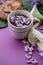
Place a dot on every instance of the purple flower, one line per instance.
(35, 1)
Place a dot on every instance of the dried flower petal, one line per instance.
(34, 61)
(31, 49)
(28, 56)
(41, 54)
(19, 25)
(26, 47)
(30, 53)
(30, 60)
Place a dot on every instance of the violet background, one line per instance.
(12, 51)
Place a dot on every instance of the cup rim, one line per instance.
(23, 27)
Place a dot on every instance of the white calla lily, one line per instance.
(36, 37)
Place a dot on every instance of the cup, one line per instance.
(22, 32)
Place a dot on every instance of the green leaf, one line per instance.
(40, 8)
(26, 5)
(3, 23)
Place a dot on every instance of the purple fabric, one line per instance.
(12, 51)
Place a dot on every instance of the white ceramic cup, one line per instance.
(21, 32)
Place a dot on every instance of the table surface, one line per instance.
(12, 51)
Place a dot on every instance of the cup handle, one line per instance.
(36, 22)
